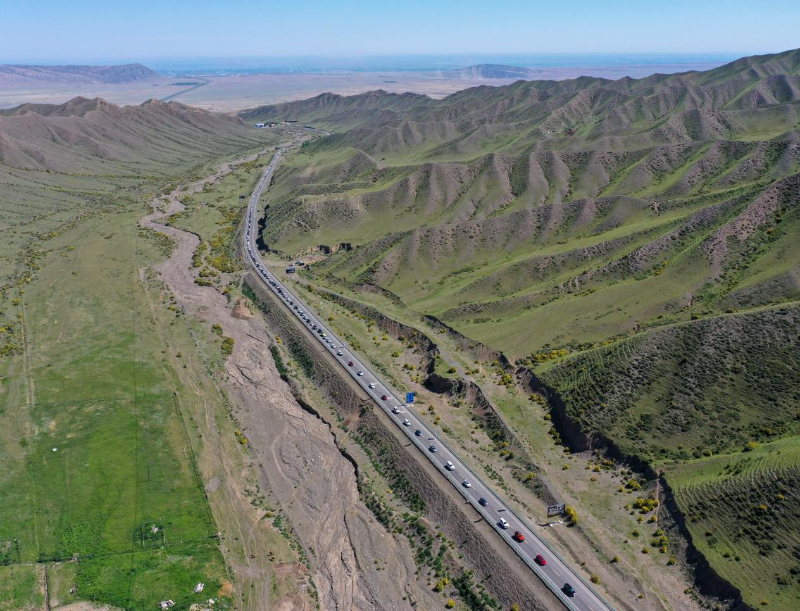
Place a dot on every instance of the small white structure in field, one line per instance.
(199, 587)
(166, 604)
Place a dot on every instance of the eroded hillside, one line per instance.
(633, 243)
(541, 197)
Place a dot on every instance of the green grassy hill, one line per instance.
(635, 242)
(741, 509)
(569, 197)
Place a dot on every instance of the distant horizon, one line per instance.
(310, 64)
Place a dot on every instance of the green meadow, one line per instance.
(101, 495)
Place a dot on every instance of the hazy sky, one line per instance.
(99, 31)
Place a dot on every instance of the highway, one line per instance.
(549, 567)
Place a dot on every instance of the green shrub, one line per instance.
(572, 515)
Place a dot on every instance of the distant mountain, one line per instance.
(372, 107)
(745, 83)
(491, 71)
(84, 132)
(126, 73)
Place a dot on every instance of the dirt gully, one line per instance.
(300, 469)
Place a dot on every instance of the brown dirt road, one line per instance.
(300, 468)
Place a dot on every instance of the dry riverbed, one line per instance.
(292, 479)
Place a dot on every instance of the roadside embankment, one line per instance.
(294, 485)
(482, 551)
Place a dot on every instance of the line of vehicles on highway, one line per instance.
(518, 536)
(377, 390)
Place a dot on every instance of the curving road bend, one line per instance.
(535, 552)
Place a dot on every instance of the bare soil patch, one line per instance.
(301, 470)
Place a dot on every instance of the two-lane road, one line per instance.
(541, 559)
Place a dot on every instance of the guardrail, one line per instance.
(421, 446)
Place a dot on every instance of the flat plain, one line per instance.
(228, 91)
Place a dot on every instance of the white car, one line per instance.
(339, 353)
(372, 384)
(395, 410)
(503, 524)
(449, 466)
(466, 484)
(406, 422)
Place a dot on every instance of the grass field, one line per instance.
(101, 453)
(101, 483)
(20, 588)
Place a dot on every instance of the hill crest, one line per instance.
(95, 128)
(77, 74)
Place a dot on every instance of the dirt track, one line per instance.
(300, 468)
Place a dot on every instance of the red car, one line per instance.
(384, 397)
(518, 536)
(540, 561)
(350, 363)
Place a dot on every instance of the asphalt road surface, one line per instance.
(541, 559)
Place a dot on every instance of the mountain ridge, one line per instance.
(333, 110)
(100, 129)
(633, 243)
(77, 74)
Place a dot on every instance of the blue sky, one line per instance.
(103, 31)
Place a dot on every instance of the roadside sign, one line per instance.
(555, 510)
(410, 397)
